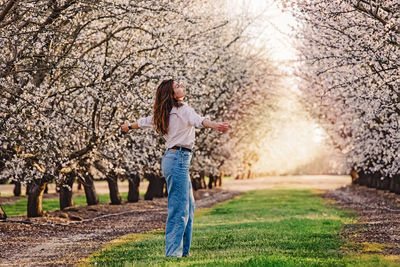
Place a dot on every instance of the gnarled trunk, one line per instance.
(90, 190)
(133, 193)
(79, 185)
(249, 174)
(383, 183)
(373, 179)
(210, 181)
(112, 181)
(199, 182)
(28, 187)
(220, 179)
(395, 184)
(17, 189)
(150, 189)
(202, 180)
(3, 215)
(36, 190)
(165, 188)
(215, 180)
(354, 176)
(156, 186)
(65, 195)
(362, 178)
(196, 183)
(159, 186)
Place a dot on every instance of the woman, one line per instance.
(176, 121)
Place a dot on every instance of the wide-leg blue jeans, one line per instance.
(178, 231)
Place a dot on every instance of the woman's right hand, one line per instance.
(125, 128)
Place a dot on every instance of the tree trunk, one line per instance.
(133, 194)
(79, 185)
(150, 189)
(156, 186)
(374, 179)
(383, 183)
(28, 188)
(220, 179)
(165, 188)
(159, 186)
(3, 215)
(354, 177)
(65, 195)
(112, 181)
(46, 190)
(210, 181)
(202, 180)
(395, 184)
(90, 190)
(248, 174)
(36, 191)
(17, 189)
(194, 183)
(362, 178)
(391, 185)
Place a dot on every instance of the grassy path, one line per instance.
(274, 227)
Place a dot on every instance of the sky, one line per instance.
(271, 22)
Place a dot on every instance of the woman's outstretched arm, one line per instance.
(143, 123)
(218, 126)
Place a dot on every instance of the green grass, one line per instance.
(19, 207)
(260, 228)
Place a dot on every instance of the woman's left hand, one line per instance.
(221, 126)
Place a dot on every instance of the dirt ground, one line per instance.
(377, 229)
(65, 237)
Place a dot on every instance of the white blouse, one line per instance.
(181, 129)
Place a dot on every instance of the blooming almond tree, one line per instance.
(351, 74)
(73, 72)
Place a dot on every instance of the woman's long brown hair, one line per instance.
(162, 106)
